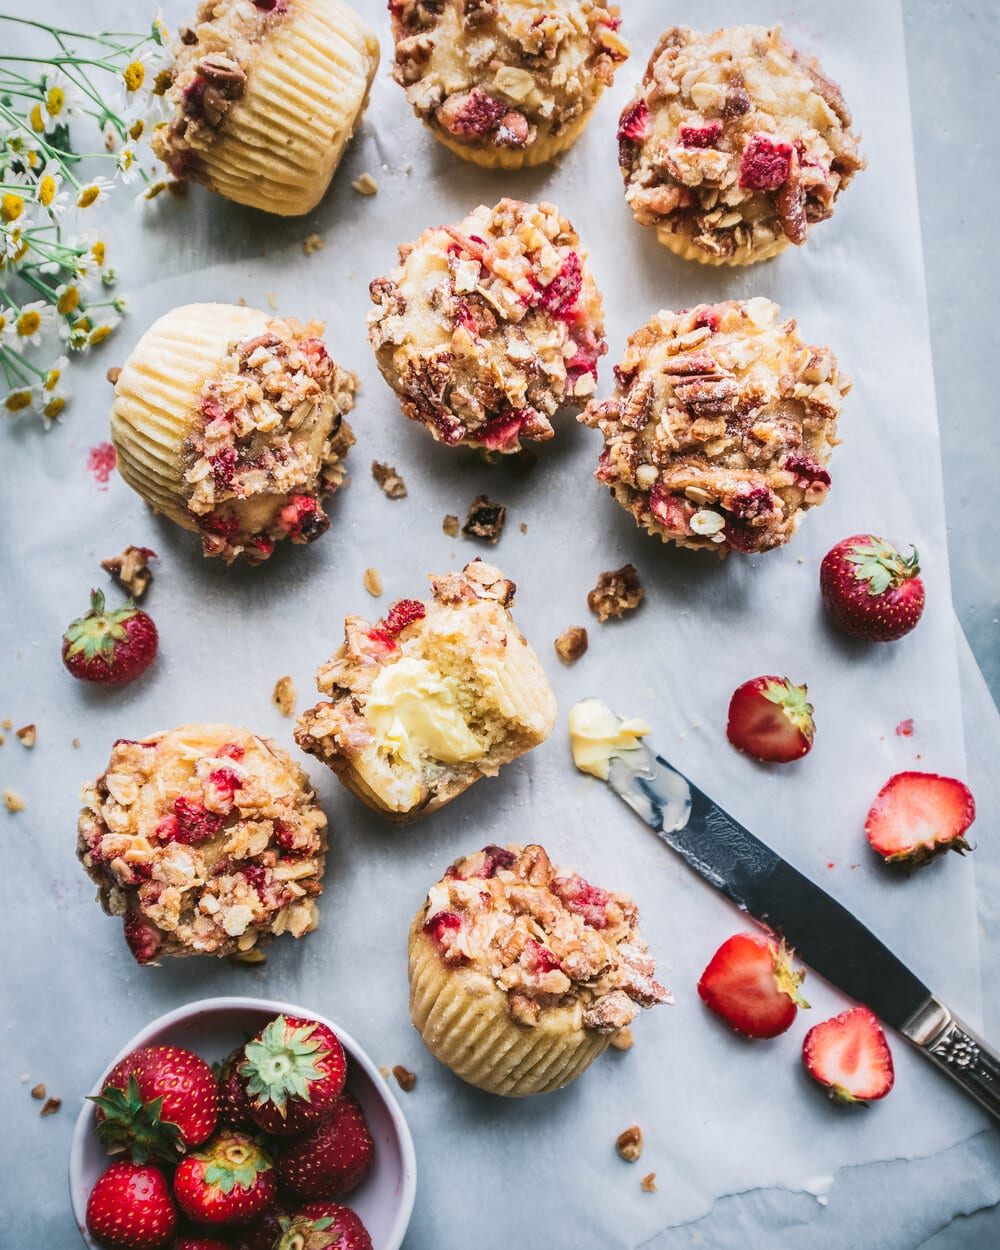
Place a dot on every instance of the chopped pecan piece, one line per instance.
(616, 593)
(130, 569)
(648, 1183)
(27, 735)
(624, 1039)
(485, 520)
(629, 1143)
(391, 483)
(572, 644)
(450, 526)
(284, 695)
(405, 1079)
(51, 1106)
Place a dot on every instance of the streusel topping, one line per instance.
(487, 328)
(735, 139)
(205, 840)
(501, 74)
(545, 938)
(721, 426)
(270, 442)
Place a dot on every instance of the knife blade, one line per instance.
(825, 935)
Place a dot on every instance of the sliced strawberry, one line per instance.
(751, 984)
(849, 1055)
(771, 719)
(870, 590)
(917, 816)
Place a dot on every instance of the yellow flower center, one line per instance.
(3, 323)
(126, 159)
(100, 334)
(162, 81)
(17, 401)
(83, 324)
(32, 158)
(29, 323)
(136, 129)
(55, 101)
(98, 252)
(11, 206)
(54, 407)
(37, 122)
(87, 196)
(134, 75)
(52, 379)
(69, 300)
(46, 190)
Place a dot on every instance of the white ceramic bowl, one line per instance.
(212, 1027)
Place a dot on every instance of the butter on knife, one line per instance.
(598, 736)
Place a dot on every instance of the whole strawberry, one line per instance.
(263, 1233)
(157, 1103)
(234, 1106)
(850, 1056)
(112, 646)
(771, 719)
(199, 1243)
(332, 1158)
(130, 1207)
(918, 816)
(229, 1181)
(324, 1226)
(870, 590)
(751, 984)
(293, 1072)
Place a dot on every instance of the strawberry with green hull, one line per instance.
(229, 1181)
(130, 1208)
(751, 984)
(331, 1159)
(110, 646)
(262, 1234)
(324, 1226)
(871, 590)
(918, 816)
(157, 1103)
(850, 1056)
(293, 1072)
(771, 719)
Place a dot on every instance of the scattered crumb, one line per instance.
(51, 1106)
(76, 743)
(392, 484)
(485, 520)
(450, 526)
(385, 1072)
(405, 1079)
(8, 723)
(14, 801)
(242, 302)
(113, 375)
(373, 583)
(38, 1091)
(272, 300)
(616, 593)
(648, 1183)
(131, 569)
(571, 644)
(524, 527)
(905, 728)
(284, 696)
(624, 1039)
(365, 185)
(250, 957)
(27, 735)
(629, 1143)
(2, 740)
(312, 243)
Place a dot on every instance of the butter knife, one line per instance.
(824, 933)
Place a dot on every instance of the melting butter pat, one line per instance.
(598, 735)
(415, 713)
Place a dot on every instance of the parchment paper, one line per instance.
(720, 1116)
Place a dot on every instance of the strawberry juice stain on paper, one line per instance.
(100, 462)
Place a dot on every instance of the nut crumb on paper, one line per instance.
(624, 1039)
(51, 1106)
(393, 486)
(113, 374)
(76, 744)
(7, 723)
(130, 569)
(648, 1183)
(27, 734)
(384, 1071)
(450, 526)
(571, 644)
(373, 582)
(485, 520)
(13, 801)
(405, 1079)
(312, 243)
(629, 1143)
(365, 185)
(38, 1091)
(284, 695)
(272, 301)
(524, 527)
(617, 592)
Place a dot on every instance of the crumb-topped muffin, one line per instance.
(230, 421)
(434, 696)
(505, 84)
(486, 329)
(522, 974)
(206, 840)
(721, 426)
(735, 144)
(266, 95)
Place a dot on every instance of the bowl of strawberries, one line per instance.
(242, 1124)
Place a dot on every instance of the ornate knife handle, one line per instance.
(967, 1059)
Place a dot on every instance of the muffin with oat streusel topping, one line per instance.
(266, 95)
(735, 144)
(506, 83)
(486, 329)
(521, 974)
(431, 698)
(230, 421)
(205, 840)
(721, 426)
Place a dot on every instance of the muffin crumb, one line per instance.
(130, 569)
(624, 1039)
(450, 526)
(13, 801)
(405, 1079)
(249, 958)
(76, 744)
(392, 484)
(648, 1183)
(485, 520)
(572, 644)
(284, 695)
(365, 185)
(312, 243)
(524, 527)
(27, 735)
(373, 582)
(629, 1143)
(617, 592)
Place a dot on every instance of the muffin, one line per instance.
(721, 426)
(486, 329)
(521, 975)
(735, 144)
(205, 840)
(505, 84)
(230, 422)
(431, 698)
(265, 96)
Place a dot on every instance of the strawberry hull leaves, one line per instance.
(324, 1226)
(293, 1072)
(230, 1181)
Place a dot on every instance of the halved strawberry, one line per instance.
(850, 1056)
(751, 984)
(870, 590)
(918, 816)
(771, 719)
